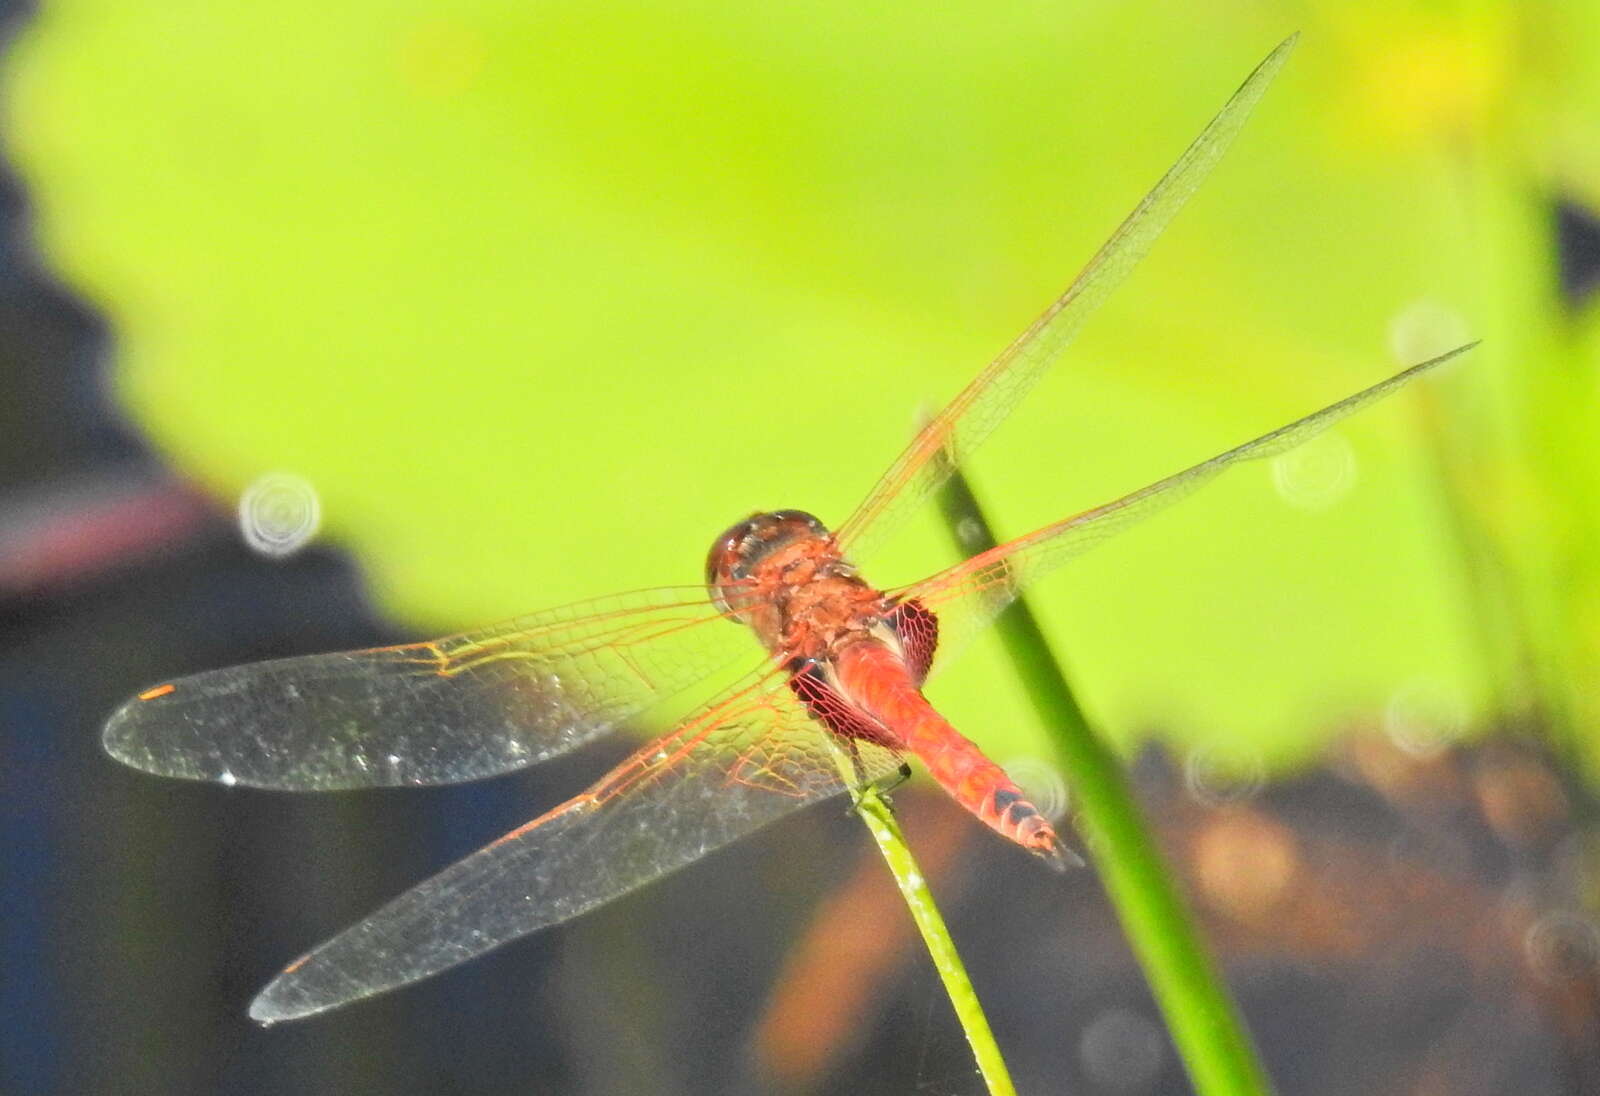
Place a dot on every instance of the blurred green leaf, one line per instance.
(543, 296)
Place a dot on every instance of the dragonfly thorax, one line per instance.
(782, 574)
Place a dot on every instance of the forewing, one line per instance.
(966, 597)
(453, 709)
(973, 415)
(739, 763)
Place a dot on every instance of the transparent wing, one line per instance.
(967, 597)
(453, 709)
(737, 764)
(973, 415)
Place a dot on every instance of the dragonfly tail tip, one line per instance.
(1061, 858)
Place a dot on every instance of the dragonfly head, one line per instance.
(736, 554)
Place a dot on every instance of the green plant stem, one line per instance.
(875, 811)
(1205, 1025)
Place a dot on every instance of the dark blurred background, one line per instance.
(1401, 879)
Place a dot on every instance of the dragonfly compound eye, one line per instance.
(725, 552)
(735, 554)
(726, 562)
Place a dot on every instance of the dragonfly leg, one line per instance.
(883, 786)
(860, 782)
(890, 783)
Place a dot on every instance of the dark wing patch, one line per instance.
(918, 630)
(833, 711)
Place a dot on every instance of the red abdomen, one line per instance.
(877, 680)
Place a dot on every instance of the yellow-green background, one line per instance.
(541, 296)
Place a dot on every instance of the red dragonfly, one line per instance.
(842, 677)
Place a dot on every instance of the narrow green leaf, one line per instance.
(875, 811)
(1205, 1025)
